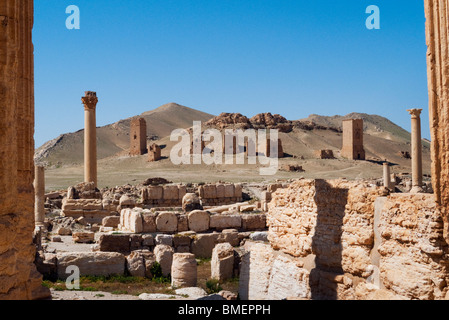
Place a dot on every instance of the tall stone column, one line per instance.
(19, 278)
(39, 195)
(90, 101)
(387, 177)
(437, 35)
(416, 151)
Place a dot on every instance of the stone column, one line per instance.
(416, 151)
(39, 195)
(90, 101)
(387, 176)
(437, 35)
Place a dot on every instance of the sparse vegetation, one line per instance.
(213, 286)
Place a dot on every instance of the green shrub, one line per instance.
(213, 286)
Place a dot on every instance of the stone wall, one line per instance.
(347, 240)
(140, 220)
(19, 278)
(138, 137)
(210, 195)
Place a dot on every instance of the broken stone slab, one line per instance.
(164, 256)
(91, 263)
(111, 221)
(222, 263)
(83, 237)
(259, 236)
(225, 221)
(191, 293)
(114, 243)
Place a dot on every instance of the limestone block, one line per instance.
(149, 221)
(164, 256)
(164, 239)
(183, 223)
(203, 244)
(248, 208)
(111, 221)
(126, 201)
(199, 221)
(229, 191)
(238, 191)
(230, 236)
(155, 192)
(182, 191)
(259, 236)
(184, 270)
(181, 240)
(222, 263)
(131, 220)
(171, 193)
(166, 222)
(252, 222)
(265, 196)
(114, 243)
(208, 192)
(91, 263)
(147, 240)
(62, 231)
(83, 237)
(220, 191)
(225, 221)
(135, 264)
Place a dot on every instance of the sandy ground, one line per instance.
(88, 295)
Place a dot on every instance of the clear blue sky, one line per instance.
(292, 57)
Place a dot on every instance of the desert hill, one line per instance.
(383, 139)
(67, 149)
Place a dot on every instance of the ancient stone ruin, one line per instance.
(138, 137)
(154, 152)
(353, 140)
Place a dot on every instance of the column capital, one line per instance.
(90, 100)
(415, 113)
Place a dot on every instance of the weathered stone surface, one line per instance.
(149, 221)
(171, 193)
(203, 244)
(127, 201)
(114, 243)
(199, 220)
(183, 223)
(413, 249)
(164, 255)
(164, 239)
(222, 263)
(191, 202)
(225, 221)
(111, 221)
(138, 137)
(252, 222)
(438, 78)
(91, 263)
(259, 236)
(135, 264)
(83, 237)
(267, 275)
(131, 220)
(147, 240)
(184, 270)
(167, 222)
(62, 231)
